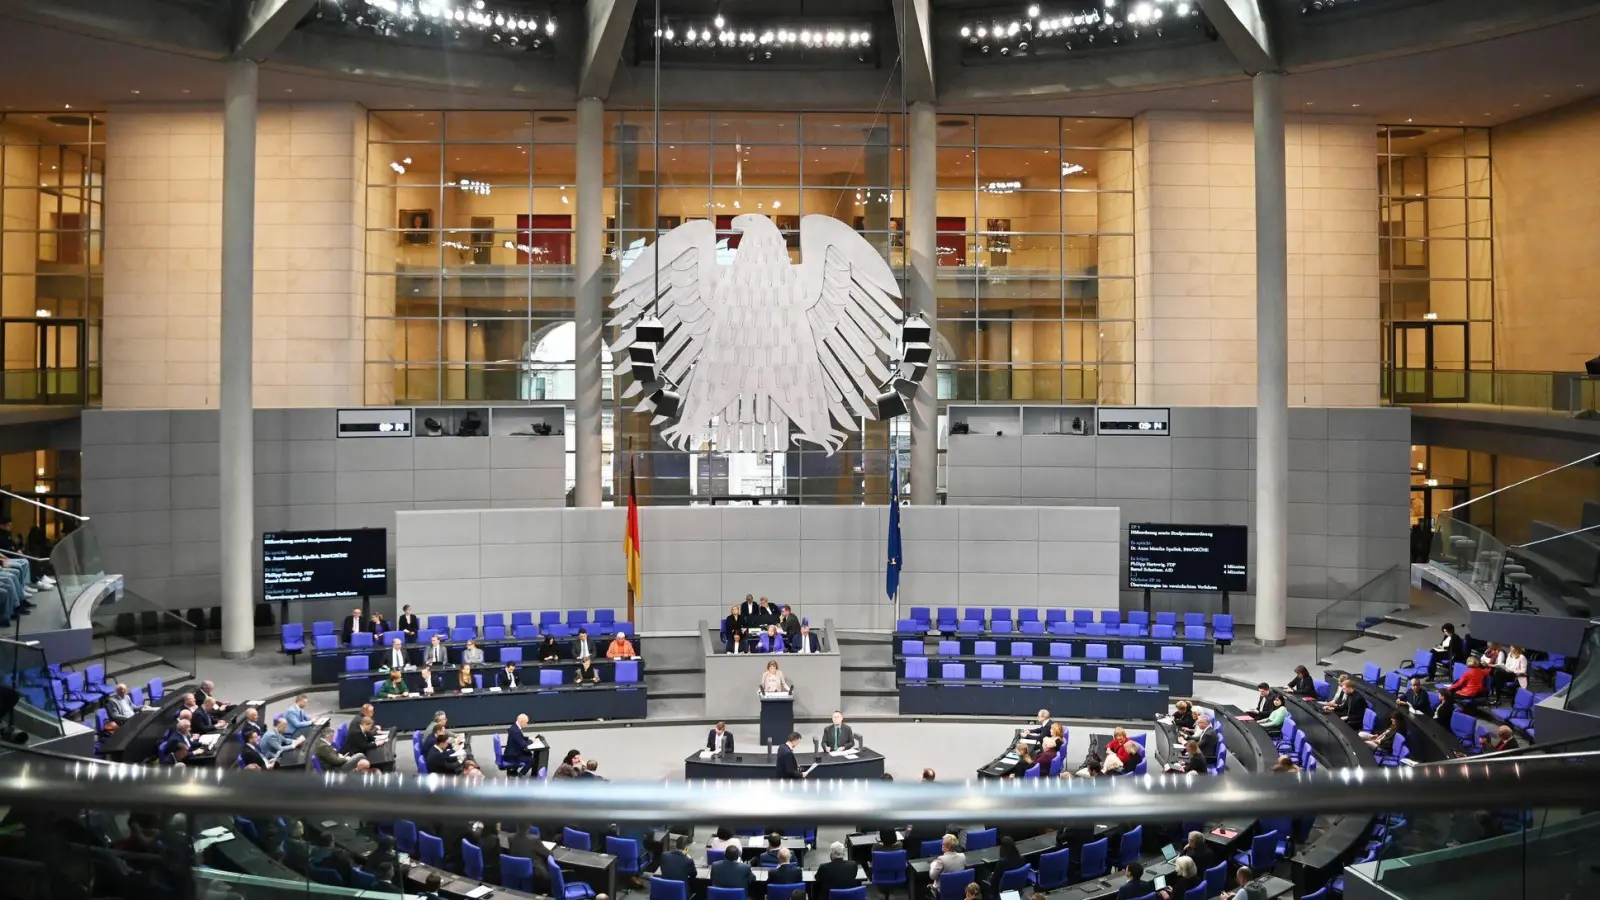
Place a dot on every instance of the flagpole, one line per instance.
(631, 501)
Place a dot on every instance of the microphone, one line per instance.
(816, 746)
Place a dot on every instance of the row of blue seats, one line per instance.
(917, 670)
(325, 635)
(1025, 650)
(1056, 621)
(516, 872)
(626, 672)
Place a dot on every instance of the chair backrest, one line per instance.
(577, 840)
(1109, 675)
(1133, 651)
(992, 672)
(576, 617)
(510, 654)
(1083, 616)
(1372, 672)
(439, 623)
(1031, 628)
(1166, 618)
(949, 648)
(979, 648)
(1050, 615)
(550, 618)
(1171, 654)
(1194, 632)
(1215, 876)
(1060, 650)
(605, 616)
(721, 893)
(1264, 851)
(357, 662)
(947, 616)
(973, 614)
(912, 647)
(494, 632)
(1401, 750)
(1198, 892)
(627, 671)
(405, 836)
(1462, 726)
(1222, 625)
(521, 618)
(1022, 649)
(1095, 651)
(1111, 616)
(917, 668)
(1016, 879)
(1030, 672)
(953, 885)
(549, 677)
(1129, 629)
(325, 642)
(626, 850)
(1128, 847)
(516, 872)
(888, 867)
(1094, 629)
(953, 670)
(429, 847)
(984, 839)
(668, 889)
(525, 631)
(471, 860)
(1069, 673)
(1000, 615)
(1194, 618)
(323, 627)
(1163, 631)
(1148, 677)
(920, 613)
(1053, 868)
(967, 626)
(1092, 864)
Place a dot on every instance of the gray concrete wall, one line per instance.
(828, 561)
(731, 681)
(150, 487)
(1348, 489)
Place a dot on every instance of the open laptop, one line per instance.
(1169, 853)
(1160, 884)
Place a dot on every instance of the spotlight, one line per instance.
(666, 402)
(890, 404)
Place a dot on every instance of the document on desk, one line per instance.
(203, 843)
(705, 754)
(844, 754)
(809, 769)
(320, 720)
(209, 741)
(493, 690)
(482, 890)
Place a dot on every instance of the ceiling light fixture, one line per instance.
(427, 18)
(1042, 30)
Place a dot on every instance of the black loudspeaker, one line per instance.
(891, 404)
(642, 359)
(1592, 366)
(649, 331)
(905, 387)
(916, 331)
(919, 353)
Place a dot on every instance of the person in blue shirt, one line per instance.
(296, 715)
(277, 740)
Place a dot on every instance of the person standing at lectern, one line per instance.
(838, 736)
(720, 739)
(772, 680)
(788, 766)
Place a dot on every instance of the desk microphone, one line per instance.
(816, 747)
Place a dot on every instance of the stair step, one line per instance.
(1389, 631)
(1370, 643)
(170, 675)
(674, 685)
(130, 660)
(1396, 619)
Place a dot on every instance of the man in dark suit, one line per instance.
(203, 720)
(838, 736)
(436, 654)
(354, 624)
(580, 645)
(720, 739)
(409, 623)
(1135, 887)
(362, 738)
(250, 753)
(385, 884)
(838, 873)
(252, 722)
(788, 766)
(518, 752)
(808, 642)
(769, 856)
(765, 614)
(395, 658)
(731, 872)
(675, 865)
(789, 624)
(1418, 698)
(440, 760)
(1206, 736)
(208, 689)
(522, 843)
(1263, 704)
(749, 609)
(1041, 726)
(786, 872)
(1355, 707)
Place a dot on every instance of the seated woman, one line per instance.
(1023, 764)
(620, 647)
(1274, 720)
(732, 625)
(772, 681)
(1302, 684)
(549, 650)
(771, 641)
(464, 678)
(1193, 761)
(586, 673)
(1183, 716)
(1383, 741)
(887, 841)
(1285, 764)
(739, 644)
(1126, 749)
(1185, 875)
(1470, 686)
(394, 687)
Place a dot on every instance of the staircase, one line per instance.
(866, 669)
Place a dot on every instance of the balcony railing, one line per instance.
(1556, 393)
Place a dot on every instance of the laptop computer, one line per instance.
(1169, 853)
(1160, 884)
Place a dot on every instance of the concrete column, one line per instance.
(1272, 365)
(922, 224)
(238, 462)
(591, 241)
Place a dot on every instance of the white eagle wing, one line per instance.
(849, 294)
(683, 298)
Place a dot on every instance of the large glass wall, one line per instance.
(1035, 258)
(1436, 269)
(52, 182)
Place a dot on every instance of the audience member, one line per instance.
(586, 673)
(1263, 703)
(1009, 858)
(1340, 699)
(1247, 890)
(1199, 850)
(409, 623)
(1183, 716)
(1273, 723)
(1048, 751)
(1355, 706)
(621, 647)
(395, 686)
(1383, 741)
(1302, 684)
(1502, 738)
(570, 764)
(436, 654)
(580, 645)
(119, 705)
(1512, 670)
(838, 873)
(731, 872)
(1135, 887)
(1206, 737)
(1417, 698)
(675, 864)
(721, 840)
(1185, 875)
(1285, 764)
(472, 655)
(464, 679)
(1447, 651)
(439, 759)
(296, 715)
(951, 860)
(785, 872)
(332, 760)
(888, 840)
(549, 650)
(1470, 686)
(1024, 761)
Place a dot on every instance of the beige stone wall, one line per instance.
(1546, 248)
(1195, 233)
(163, 261)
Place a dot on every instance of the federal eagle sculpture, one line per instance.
(763, 351)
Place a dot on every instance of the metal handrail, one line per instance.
(26, 499)
(1570, 780)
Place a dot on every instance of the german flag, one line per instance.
(631, 548)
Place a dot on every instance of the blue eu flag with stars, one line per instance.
(892, 576)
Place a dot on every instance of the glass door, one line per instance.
(44, 360)
(1429, 361)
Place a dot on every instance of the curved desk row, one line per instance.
(1200, 654)
(975, 697)
(485, 708)
(327, 666)
(1178, 677)
(1343, 836)
(1426, 739)
(139, 737)
(761, 766)
(361, 687)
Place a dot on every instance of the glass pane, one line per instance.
(1477, 142)
(1001, 170)
(555, 128)
(1107, 133)
(480, 125)
(820, 129)
(955, 131)
(392, 125)
(1018, 131)
(1480, 261)
(1478, 178)
(756, 165)
(755, 128)
(1005, 211)
(1479, 219)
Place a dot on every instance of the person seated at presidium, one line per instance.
(732, 625)
(436, 654)
(771, 641)
(394, 687)
(586, 673)
(620, 648)
(789, 624)
(473, 654)
(773, 681)
(508, 677)
(549, 650)
(464, 680)
(739, 644)
(806, 642)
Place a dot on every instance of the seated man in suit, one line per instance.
(769, 856)
(838, 736)
(250, 753)
(277, 740)
(509, 679)
(518, 751)
(580, 645)
(1041, 726)
(675, 864)
(786, 872)
(1206, 737)
(1355, 707)
(731, 872)
(789, 624)
(720, 739)
(355, 624)
(409, 623)
(362, 738)
(436, 654)
(807, 642)
(209, 689)
(252, 721)
(440, 759)
(296, 714)
(332, 760)
(385, 884)
(1418, 698)
(839, 872)
(395, 658)
(1135, 887)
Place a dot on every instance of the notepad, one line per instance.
(811, 768)
(705, 754)
(482, 890)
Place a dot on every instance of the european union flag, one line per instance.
(892, 577)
